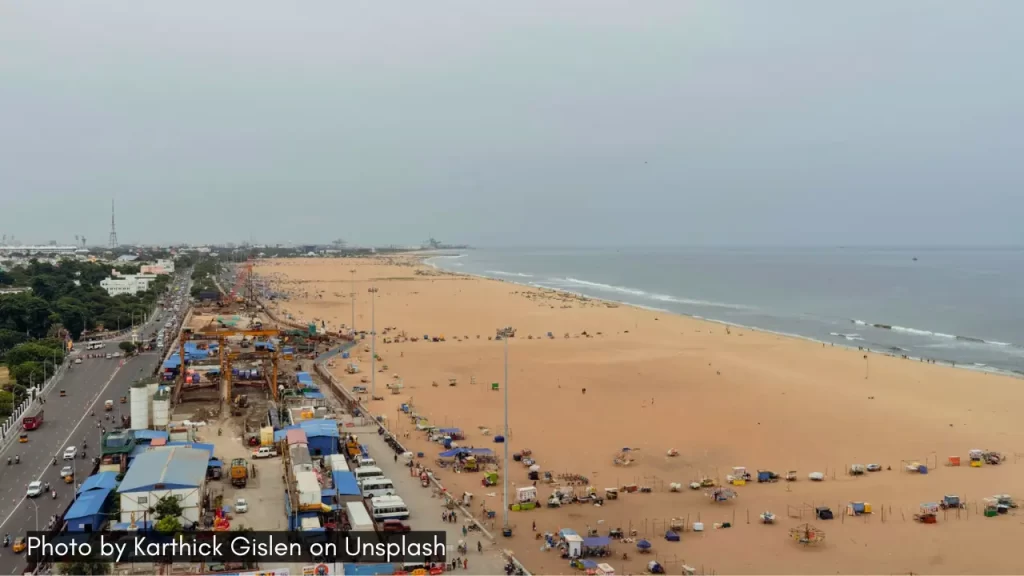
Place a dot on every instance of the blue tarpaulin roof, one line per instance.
(174, 468)
(345, 483)
(282, 434)
(468, 451)
(150, 434)
(313, 394)
(449, 431)
(567, 532)
(596, 541)
(589, 565)
(102, 481)
(303, 377)
(320, 427)
(196, 445)
(214, 463)
(88, 504)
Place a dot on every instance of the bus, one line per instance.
(388, 508)
(377, 486)
(95, 346)
(364, 472)
(358, 519)
(32, 422)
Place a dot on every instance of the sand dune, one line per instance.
(721, 398)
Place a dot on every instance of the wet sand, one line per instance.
(721, 397)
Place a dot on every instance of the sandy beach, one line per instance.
(721, 397)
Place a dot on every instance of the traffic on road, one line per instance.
(33, 490)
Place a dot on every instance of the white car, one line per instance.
(70, 452)
(109, 356)
(78, 360)
(116, 354)
(241, 506)
(67, 471)
(34, 489)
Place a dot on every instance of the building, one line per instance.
(322, 436)
(62, 250)
(130, 284)
(89, 512)
(177, 472)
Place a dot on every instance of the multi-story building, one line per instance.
(130, 284)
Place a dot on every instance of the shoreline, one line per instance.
(425, 261)
(690, 401)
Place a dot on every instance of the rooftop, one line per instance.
(176, 467)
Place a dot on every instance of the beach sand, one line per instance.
(722, 398)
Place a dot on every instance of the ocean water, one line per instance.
(964, 306)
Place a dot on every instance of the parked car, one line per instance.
(264, 452)
(394, 526)
(78, 360)
(241, 506)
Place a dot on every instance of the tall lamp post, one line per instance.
(505, 333)
(37, 513)
(373, 341)
(353, 295)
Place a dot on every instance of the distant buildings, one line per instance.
(161, 267)
(130, 284)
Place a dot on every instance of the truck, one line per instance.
(32, 422)
(264, 452)
(358, 518)
(239, 472)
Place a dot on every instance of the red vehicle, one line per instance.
(32, 422)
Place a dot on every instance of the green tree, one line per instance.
(128, 347)
(9, 339)
(168, 525)
(167, 506)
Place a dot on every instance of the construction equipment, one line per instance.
(221, 336)
(239, 472)
(239, 404)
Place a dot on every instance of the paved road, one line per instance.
(68, 421)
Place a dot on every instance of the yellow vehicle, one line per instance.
(63, 393)
(19, 544)
(490, 479)
(471, 465)
(23, 438)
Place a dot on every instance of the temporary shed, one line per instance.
(301, 460)
(176, 472)
(102, 481)
(296, 436)
(89, 511)
(346, 484)
(147, 436)
(323, 436)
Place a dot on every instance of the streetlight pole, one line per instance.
(37, 513)
(505, 334)
(353, 295)
(373, 341)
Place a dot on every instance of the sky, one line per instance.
(569, 123)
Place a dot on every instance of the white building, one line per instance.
(177, 472)
(130, 284)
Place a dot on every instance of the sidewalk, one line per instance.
(425, 509)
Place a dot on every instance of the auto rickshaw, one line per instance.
(124, 399)
(19, 544)
(63, 393)
(23, 438)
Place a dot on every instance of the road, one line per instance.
(68, 421)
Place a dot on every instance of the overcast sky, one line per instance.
(503, 123)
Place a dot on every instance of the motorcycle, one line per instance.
(17, 459)
(53, 493)
(54, 463)
(7, 540)
(8, 460)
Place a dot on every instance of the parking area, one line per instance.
(425, 508)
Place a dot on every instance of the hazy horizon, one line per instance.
(660, 123)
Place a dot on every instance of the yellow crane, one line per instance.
(221, 336)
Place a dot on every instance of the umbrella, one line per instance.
(535, 468)
(643, 545)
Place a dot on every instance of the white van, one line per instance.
(388, 508)
(365, 461)
(376, 486)
(364, 472)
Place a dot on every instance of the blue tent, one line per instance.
(150, 435)
(368, 569)
(327, 496)
(597, 541)
(450, 431)
(313, 394)
(102, 481)
(88, 512)
(345, 483)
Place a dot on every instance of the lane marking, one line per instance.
(66, 440)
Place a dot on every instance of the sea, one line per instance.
(963, 306)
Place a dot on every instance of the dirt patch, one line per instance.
(5, 376)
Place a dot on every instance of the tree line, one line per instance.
(65, 300)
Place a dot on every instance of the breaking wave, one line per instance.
(509, 274)
(643, 294)
(931, 334)
(851, 337)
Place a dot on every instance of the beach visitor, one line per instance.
(463, 531)
(534, 525)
